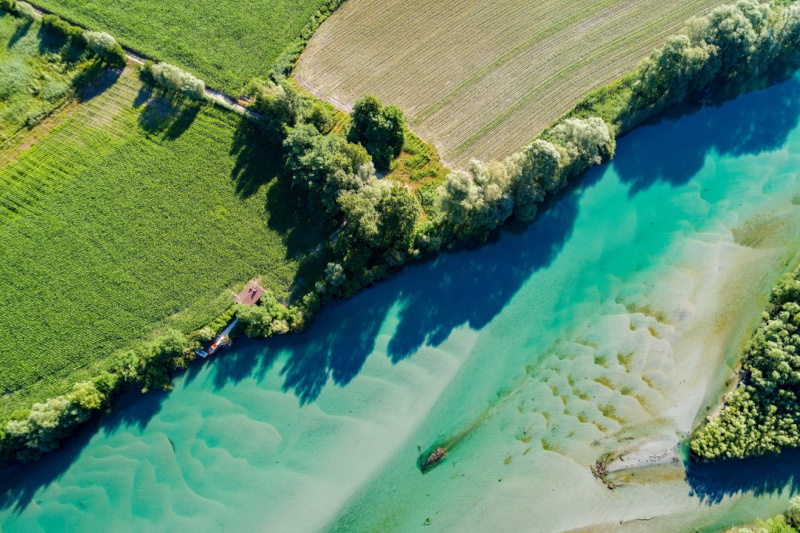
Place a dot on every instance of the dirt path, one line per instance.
(138, 58)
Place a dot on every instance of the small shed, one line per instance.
(251, 294)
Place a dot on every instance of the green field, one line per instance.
(134, 212)
(37, 73)
(222, 41)
(482, 79)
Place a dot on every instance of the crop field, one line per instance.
(481, 79)
(136, 211)
(37, 72)
(224, 42)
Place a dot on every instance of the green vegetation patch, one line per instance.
(222, 41)
(137, 213)
(761, 415)
(38, 71)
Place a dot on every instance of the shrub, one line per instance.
(26, 10)
(105, 46)
(9, 5)
(379, 129)
(49, 422)
(158, 359)
(174, 79)
(266, 319)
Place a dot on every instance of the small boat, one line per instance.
(435, 457)
(201, 353)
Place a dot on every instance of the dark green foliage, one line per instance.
(159, 358)
(379, 129)
(280, 105)
(9, 5)
(267, 318)
(324, 165)
(762, 415)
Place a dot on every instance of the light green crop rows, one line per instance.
(134, 213)
(224, 42)
(481, 79)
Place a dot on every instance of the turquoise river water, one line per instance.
(610, 325)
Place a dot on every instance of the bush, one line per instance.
(105, 46)
(266, 319)
(379, 129)
(25, 10)
(174, 79)
(49, 422)
(9, 5)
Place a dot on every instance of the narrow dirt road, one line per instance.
(136, 57)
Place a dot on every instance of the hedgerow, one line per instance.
(377, 225)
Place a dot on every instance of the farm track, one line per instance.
(481, 80)
(139, 58)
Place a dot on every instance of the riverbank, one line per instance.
(580, 327)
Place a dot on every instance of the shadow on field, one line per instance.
(740, 119)
(712, 482)
(164, 114)
(259, 166)
(23, 26)
(467, 287)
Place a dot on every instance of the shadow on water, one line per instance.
(712, 482)
(456, 289)
(20, 482)
(758, 117)
(467, 287)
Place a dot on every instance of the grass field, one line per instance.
(481, 79)
(224, 42)
(37, 72)
(133, 212)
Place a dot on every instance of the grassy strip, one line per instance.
(222, 41)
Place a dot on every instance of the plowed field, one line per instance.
(482, 78)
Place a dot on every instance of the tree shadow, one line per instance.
(712, 482)
(258, 161)
(23, 26)
(740, 118)
(19, 483)
(259, 165)
(475, 287)
(166, 115)
(100, 84)
(470, 286)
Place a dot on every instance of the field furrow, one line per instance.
(480, 79)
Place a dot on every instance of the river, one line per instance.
(610, 325)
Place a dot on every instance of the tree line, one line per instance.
(376, 225)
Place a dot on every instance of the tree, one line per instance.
(105, 46)
(586, 142)
(280, 106)
(159, 359)
(325, 165)
(381, 130)
(399, 213)
(172, 78)
(474, 203)
(537, 172)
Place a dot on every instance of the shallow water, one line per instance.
(609, 326)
